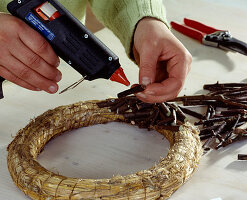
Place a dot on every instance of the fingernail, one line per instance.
(52, 89)
(59, 76)
(58, 63)
(145, 81)
(142, 95)
(149, 92)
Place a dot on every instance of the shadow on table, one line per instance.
(201, 52)
(237, 166)
(215, 156)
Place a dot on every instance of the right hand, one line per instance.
(26, 58)
(163, 61)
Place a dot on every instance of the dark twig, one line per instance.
(134, 90)
(242, 156)
(192, 113)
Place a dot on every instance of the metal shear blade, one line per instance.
(210, 36)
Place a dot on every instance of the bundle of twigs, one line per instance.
(158, 182)
(225, 120)
(145, 115)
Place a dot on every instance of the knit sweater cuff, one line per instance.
(135, 12)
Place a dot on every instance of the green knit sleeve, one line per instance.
(3, 5)
(122, 16)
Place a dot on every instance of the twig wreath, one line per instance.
(158, 182)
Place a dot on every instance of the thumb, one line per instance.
(148, 62)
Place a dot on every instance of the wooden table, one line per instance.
(105, 150)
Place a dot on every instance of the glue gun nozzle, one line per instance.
(120, 77)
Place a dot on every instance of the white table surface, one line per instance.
(105, 150)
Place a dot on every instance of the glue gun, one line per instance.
(70, 39)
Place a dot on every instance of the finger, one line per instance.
(14, 79)
(170, 87)
(136, 56)
(30, 76)
(148, 62)
(34, 61)
(166, 90)
(33, 40)
(179, 66)
(160, 92)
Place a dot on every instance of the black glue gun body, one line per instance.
(70, 39)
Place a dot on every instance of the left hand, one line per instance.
(163, 61)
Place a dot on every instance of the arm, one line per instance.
(122, 16)
(3, 5)
(141, 27)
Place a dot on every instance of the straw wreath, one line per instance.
(158, 182)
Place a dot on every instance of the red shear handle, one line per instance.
(188, 31)
(199, 26)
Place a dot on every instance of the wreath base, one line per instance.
(158, 182)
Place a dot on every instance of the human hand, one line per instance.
(163, 61)
(26, 58)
